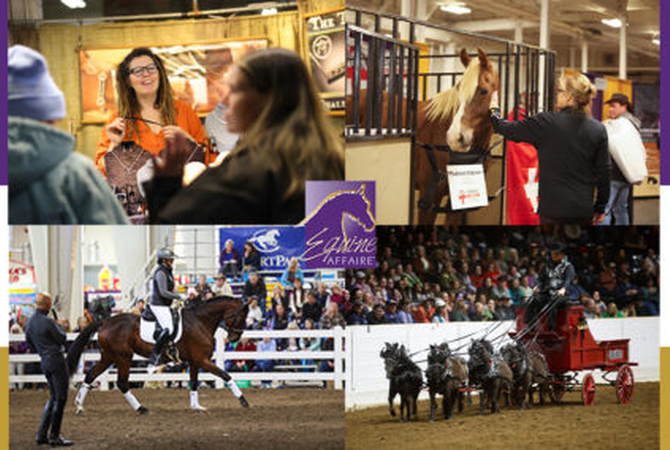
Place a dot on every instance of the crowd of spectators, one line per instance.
(452, 274)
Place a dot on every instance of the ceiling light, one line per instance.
(74, 4)
(456, 8)
(614, 23)
(269, 11)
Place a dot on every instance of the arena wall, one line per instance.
(367, 385)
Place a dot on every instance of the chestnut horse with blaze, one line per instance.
(119, 339)
(453, 125)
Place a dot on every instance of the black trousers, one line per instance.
(55, 369)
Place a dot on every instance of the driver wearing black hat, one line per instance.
(553, 283)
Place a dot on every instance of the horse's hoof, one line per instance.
(79, 410)
(198, 408)
(392, 413)
(243, 402)
(142, 410)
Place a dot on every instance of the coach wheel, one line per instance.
(624, 384)
(588, 390)
(556, 391)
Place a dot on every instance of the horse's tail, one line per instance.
(77, 347)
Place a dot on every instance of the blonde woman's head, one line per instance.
(575, 91)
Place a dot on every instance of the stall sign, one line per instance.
(467, 186)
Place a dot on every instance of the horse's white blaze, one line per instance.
(459, 137)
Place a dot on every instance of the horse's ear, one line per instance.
(465, 57)
(483, 59)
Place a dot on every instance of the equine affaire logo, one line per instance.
(340, 224)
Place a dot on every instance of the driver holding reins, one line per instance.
(162, 296)
(553, 284)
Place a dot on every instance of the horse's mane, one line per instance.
(199, 308)
(445, 104)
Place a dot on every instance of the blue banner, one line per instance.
(277, 245)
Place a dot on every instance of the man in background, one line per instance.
(617, 209)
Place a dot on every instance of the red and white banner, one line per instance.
(522, 181)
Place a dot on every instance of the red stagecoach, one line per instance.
(571, 348)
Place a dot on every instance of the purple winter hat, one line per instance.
(32, 92)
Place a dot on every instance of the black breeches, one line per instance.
(55, 370)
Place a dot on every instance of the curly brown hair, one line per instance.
(128, 105)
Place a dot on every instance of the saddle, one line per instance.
(149, 322)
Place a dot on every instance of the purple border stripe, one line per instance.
(665, 91)
(3, 104)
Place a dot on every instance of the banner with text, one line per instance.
(277, 245)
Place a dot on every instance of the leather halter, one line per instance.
(474, 156)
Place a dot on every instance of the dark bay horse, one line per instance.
(119, 339)
(405, 378)
(452, 127)
(529, 369)
(489, 372)
(445, 375)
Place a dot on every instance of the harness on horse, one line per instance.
(474, 156)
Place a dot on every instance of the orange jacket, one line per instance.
(187, 120)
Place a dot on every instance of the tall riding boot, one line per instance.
(158, 348)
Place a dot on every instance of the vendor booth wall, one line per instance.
(60, 45)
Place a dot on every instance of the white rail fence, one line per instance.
(297, 371)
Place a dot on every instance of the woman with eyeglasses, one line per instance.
(147, 112)
(284, 140)
(573, 156)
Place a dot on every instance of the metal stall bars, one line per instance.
(518, 68)
(382, 93)
(382, 90)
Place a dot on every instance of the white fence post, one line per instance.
(338, 347)
(219, 356)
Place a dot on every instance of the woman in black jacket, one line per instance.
(572, 151)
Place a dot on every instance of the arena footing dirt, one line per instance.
(280, 418)
(570, 425)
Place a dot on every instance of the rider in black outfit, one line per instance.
(47, 339)
(163, 294)
(552, 286)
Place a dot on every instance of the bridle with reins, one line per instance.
(233, 318)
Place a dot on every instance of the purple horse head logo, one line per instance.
(340, 231)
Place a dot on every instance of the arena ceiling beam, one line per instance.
(635, 44)
(494, 25)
